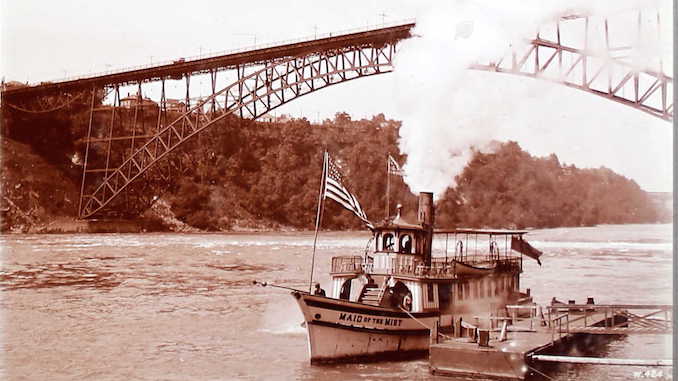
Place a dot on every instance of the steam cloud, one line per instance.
(449, 110)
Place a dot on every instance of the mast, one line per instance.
(388, 185)
(319, 214)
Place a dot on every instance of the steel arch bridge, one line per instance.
(612, 72)
(252, 96)
(268, 77)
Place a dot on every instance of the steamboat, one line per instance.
(383, 304)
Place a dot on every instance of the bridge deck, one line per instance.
(202, 65)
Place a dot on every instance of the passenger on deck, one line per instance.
(318, 291)
(407, 302)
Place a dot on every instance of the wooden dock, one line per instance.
(516, 345)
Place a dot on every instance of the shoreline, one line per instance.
(75, 226)
(69, 225)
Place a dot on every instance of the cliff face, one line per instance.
(34, 192)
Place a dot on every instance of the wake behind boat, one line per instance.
(383, 303)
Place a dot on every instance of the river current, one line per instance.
(183, 307)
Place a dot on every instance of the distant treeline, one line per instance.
(271, 172)
(242, 173)
(511, 188)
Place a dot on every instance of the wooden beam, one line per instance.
(602, 361)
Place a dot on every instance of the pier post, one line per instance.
(434, 332)
(567, 322)
(606, 317)
(504, 330)
(483, 337)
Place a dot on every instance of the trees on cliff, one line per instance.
(271, 172)
(242, 172)
(510, 188)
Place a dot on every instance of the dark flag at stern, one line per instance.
(520, 245)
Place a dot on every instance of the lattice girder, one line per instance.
(613, 72)
(252, 96)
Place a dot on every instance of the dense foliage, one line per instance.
(510, 188)
(270, 172)
(241, 173)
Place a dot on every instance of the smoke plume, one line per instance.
(449, 111)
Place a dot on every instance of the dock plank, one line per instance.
(511, 359)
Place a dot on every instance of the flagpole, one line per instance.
(388, 185)
(319, 216)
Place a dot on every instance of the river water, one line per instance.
(183, 307)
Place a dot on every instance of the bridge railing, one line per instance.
(238, 50)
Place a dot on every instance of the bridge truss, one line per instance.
(254, 94)
(617, 73)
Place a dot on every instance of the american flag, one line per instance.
(335, 190)
(393, 167)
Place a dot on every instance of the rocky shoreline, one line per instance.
(158, 219)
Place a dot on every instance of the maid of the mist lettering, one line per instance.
(389, 322)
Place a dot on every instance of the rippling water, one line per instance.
(182, 306)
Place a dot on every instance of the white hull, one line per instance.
(339, 344)
(339, 330)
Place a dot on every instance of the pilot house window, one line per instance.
(406, 244)
(388, 242)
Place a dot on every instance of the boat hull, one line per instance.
(344, 331)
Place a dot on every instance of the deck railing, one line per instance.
(410, 265)
(347, 265)
(610, 319)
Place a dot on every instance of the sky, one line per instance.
(445, 108)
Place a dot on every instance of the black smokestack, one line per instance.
(426, 211)
(426, 217)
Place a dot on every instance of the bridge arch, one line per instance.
(610, 73)
(253, 95)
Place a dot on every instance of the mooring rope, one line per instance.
(550, 378)
(423, 324)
